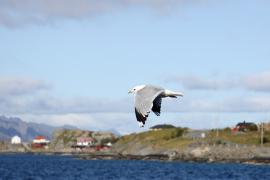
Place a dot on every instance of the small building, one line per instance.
(109, 144)
(40, 142)
(196, 134)
(102, 148)
(85, 141)
(16, 140)
(246, 126)
(203, 135)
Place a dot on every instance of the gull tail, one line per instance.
(172, 94)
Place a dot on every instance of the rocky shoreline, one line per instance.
(205, 154)
(175, 157)
(163, 157)
(227, 153)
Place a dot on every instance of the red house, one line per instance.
(245, 126)
(40, 142)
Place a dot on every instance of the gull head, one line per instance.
(136, 89)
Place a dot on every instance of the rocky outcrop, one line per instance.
(6, 147)
(164, 143)
(222, 153)
(209, 154)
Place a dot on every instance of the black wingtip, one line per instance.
(140, 117)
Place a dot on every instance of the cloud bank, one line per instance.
(227, 105)
(259, 82)
(33, 100)
(200, 83)
(26, 95)
(14, 13)
(20, 86)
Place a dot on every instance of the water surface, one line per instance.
(39, 167)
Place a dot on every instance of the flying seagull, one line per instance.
(149, 97)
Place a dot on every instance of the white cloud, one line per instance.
(17, 13)
(200, 83)
(26, 95)
(20, 86)
(254, 82)
(226, 105)
(21, 97)
(258, 82)
(51, 105)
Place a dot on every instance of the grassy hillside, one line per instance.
(248, 138)
(173, 140)
(152, 141)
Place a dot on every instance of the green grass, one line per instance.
(171, 139)
(248, 138)
(167, 138)
(166, 134)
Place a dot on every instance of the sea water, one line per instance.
(38, 167)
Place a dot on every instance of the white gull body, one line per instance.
(149, 97)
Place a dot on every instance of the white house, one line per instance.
(203, 135)
(85, 141)
(109, 144)
(16, 140)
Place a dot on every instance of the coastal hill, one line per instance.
(160, 142)
(11, 126)
(165, 141)
(63, 140)
(152, 142)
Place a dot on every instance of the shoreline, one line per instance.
(167, 158)
(150, 157)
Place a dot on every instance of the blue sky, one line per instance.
(72, 62)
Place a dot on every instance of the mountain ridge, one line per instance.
(11, 126)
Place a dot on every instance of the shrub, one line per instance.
(253, 127)
(227, 129)
(163, 126)
(176, 132)
(179, 132)
(265, 140)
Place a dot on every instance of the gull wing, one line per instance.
(157, 105)
(144, 102)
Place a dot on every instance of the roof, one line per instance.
(39, 137)
(84, 139)
(246, 124)
(16, 137)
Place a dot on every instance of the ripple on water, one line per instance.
(60, 167)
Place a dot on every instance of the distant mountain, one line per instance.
(11, 126)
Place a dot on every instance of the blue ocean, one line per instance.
(38, 167)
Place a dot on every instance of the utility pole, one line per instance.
(262, 133)
(217, 133)
(218, 116)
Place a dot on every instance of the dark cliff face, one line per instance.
(10, 127)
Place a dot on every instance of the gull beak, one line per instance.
(130, 92)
